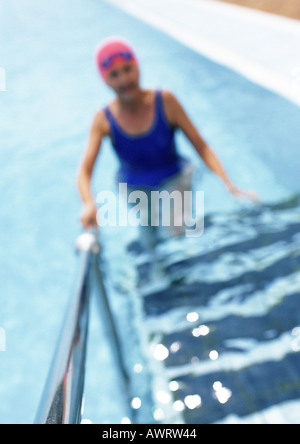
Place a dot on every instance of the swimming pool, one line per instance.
(52, 93)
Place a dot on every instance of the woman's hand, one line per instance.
(241, 194)
(88, 216)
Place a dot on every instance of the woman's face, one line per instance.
(124, 80)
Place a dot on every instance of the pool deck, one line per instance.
(261, 46)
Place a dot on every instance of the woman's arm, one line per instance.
(98, 131)
(178, 117)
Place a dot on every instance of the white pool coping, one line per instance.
(261, 46)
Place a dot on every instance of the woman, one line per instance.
(141, 124)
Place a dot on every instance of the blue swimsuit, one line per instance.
(150, 158)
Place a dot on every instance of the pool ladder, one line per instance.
(62, 398)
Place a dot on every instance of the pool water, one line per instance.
(223, 334)
(243, 271)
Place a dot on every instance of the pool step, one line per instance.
(223, 328)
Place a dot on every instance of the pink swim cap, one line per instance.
(111, 53)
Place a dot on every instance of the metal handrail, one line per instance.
(61, 402)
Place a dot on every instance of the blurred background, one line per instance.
(288, 8)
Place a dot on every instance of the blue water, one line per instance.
(52, 93)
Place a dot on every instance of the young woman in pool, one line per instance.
(141, 124)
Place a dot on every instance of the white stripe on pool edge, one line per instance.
(253, 71)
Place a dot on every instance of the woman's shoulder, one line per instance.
(101, 122)
(168, 97)
(170, 105)
(165, 94)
